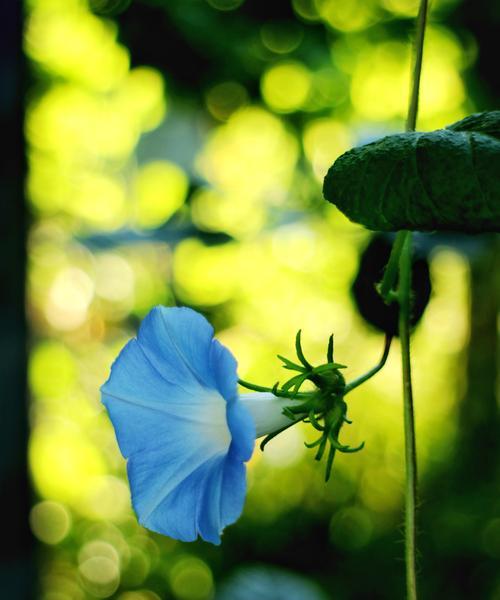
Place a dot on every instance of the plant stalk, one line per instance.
(409, 420)
(404, 291)
(411, 120)
(388, 282)
(385, 354)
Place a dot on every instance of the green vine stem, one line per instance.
(404, 290)
(409, 419)
(386, 286)
(411, 120)
(354, 384)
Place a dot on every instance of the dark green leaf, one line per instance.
(447, 179)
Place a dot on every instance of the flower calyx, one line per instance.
(323, 407)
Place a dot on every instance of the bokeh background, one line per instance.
(175, 155)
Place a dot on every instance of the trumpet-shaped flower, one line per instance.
(172, 398)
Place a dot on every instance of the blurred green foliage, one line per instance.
(152, 128)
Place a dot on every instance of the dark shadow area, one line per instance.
(16, 549)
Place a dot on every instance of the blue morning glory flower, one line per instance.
(173, 401)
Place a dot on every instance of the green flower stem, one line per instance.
(411, 120)
(409, 419)
(404, 290)
(388, 283)
(356, 382)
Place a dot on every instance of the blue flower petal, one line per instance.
(234, 480)
(193, 507)
(172, 399)
(224, 365)
(177, 342)
(242, 428)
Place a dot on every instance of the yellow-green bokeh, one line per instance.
(255, 176)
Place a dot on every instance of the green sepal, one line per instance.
(272, 435)
(315, 443)
(329, 352)
(321, 450)
(300, 354)
(329, 463)
(288, 364)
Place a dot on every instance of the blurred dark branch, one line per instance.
(172, 233)
(481, 19)
(461, 493)
(479, 410)
(16, 547)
